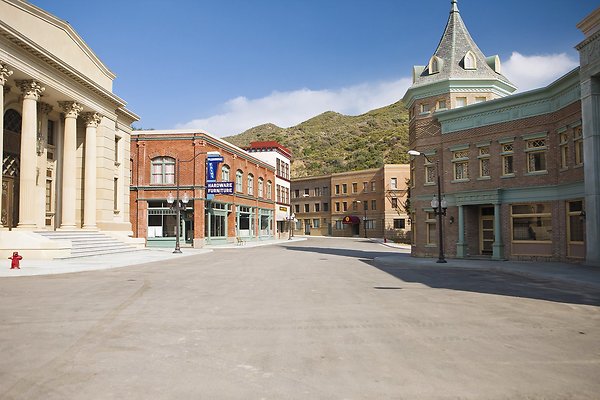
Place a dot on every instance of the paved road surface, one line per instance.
(319, 319)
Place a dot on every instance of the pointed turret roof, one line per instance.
(455, 44)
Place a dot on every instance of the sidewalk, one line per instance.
(554, 271)
(108, 261)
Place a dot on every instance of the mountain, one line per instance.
(333, 142)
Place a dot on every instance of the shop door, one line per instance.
(486, 231)
(307, 226)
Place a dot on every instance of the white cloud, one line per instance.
(290, 108)
(531, 72)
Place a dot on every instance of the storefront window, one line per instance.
(532, 222)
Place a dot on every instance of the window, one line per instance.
(117, 155)
(260, 187)
(163, 170)
(484, 162)
(306, 192)
(365, 187)
(344, 188)
(366, 205)
(461, 102)
(50, 137)
(307, 208)
(12, 121)
(412, 174)
(239, 175)
(317, 207)
(399, 223)
(354, 205)
(296, 193)
(345, 205)
(394, 202)
(337, 189)
(441, 105)
(297, 208)
(536, 155)
(532, 222)
(250, 185)
(460, 161)
(430, 172)
(325, 190)
(430, 226)
(325, 206)
(354, 187)
(469, 61)
(576, 222)
(507, 159)
(116, 194)
(370, 224)
(480, 99)
(393, 183)
(317, 191)
(578, 144)
(434, 65)
(373, 189)
(339, 225)
(373, 204)
(225, 173)
(337, 206)
(425, 108)
(316, 223)
(270, 190)
(564, 150)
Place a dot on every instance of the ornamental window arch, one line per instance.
(162, 170)
(469, 60)
(435, 65)
(225, 176)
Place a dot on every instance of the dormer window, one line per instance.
(469, 61)
(435, 64)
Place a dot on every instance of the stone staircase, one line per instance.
(89, 243)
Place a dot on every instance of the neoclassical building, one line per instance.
(518, 172)
(65, 135)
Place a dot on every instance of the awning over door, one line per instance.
(351, 220)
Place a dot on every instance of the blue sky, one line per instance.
(228, 65)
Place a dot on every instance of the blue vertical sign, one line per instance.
(212, 165)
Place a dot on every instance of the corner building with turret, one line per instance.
(513, 168)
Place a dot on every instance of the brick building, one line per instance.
(511, 166)
(280, 157)
(367, 203)
(245, 213)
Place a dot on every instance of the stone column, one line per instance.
(498, 245)
(92, 120)
(43, 110)
(69, 182)
(28, 166)
(461, 246)
(4, 74)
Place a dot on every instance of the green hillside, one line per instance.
(333, 142)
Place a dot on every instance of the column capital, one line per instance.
(4, 73)
(70, 108)
(31, 89)
(44, 108)
(91, 119)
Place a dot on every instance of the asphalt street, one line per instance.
(317, 319)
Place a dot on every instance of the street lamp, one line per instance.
(365, 217)
(291, 219)
(178, 204)
(439, 205)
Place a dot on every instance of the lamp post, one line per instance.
(291, 221)
(439, 205)
(178, 204)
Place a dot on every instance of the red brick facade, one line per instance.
(247, 214)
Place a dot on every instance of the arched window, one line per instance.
(269, 190)
(469, 61)
(12, 121)
(250, 185)
(435, 64)
(225, 173)
(239, 175)
(260, 187)
(163, 171)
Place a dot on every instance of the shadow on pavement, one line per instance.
(470, 279)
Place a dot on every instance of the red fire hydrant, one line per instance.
(15, 260)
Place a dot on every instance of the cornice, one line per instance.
(32, 48)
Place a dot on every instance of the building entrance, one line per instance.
(486, 230)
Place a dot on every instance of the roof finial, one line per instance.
(454, 6)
